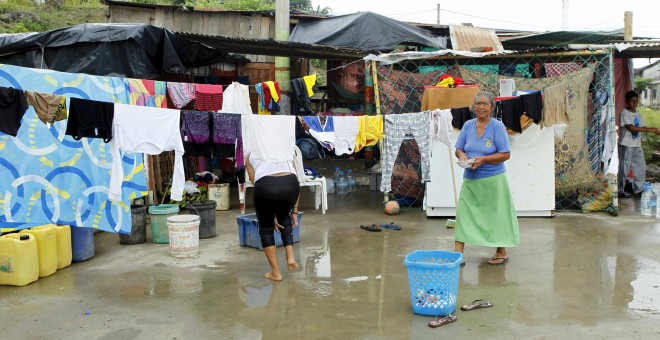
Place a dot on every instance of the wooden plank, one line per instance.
(214, 24)
(265, 33)
(244, 28)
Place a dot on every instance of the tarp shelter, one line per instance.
(129, 50)
(365, 31)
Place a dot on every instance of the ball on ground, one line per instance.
(392, 207)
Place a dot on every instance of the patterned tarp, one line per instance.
(48, 177)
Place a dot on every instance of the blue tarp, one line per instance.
(48, 177)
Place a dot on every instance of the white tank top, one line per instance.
(264, 168)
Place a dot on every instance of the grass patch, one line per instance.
(650, 141)
(26, 16)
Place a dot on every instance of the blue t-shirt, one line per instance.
(494, 140)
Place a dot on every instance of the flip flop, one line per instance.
(372, 227)
(442, 321)
(476, 304)
(391, 226)
(504, 260)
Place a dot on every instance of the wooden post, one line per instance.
(282, 64)
(627, 26)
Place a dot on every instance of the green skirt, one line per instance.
(486, 215)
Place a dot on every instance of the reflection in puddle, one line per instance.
(184, 281)
(646, 288)
(317, 260)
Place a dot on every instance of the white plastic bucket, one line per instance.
(220, 194)
(184, 235)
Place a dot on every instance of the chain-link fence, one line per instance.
(580, 183)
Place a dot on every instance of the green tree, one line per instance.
(642, 84)
(324, 10)
(250, 5)
(301, 5)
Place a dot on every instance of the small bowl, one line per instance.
(466, 164)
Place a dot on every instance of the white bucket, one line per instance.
(220, 194)
(184, 235)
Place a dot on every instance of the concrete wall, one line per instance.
(650, 96)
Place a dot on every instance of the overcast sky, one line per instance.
(515, 14)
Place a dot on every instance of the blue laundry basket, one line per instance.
(433, 279)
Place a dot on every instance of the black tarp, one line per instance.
(365, 31)
(126, 50)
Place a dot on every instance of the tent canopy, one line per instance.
(128, 50)
(365, 31)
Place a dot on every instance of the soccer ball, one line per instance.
(392, 207)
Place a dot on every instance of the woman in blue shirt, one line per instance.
(485, 214)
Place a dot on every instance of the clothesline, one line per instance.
(315, 73)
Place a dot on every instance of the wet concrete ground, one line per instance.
(574, 276)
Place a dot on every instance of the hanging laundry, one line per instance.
(301, 102)
(310, 81)
(180, 93)
(269, 138)
(370, 129)
(90, 118)
(346, 131)
(460, 116)
(196, 130)
(142, 92)
(50, 108)
(208, 97)
(323, 133)
(227, 130)
(236, 99)
(274, 103)
(262, 109)
(397, 128)
(12, 108)
(554, 105)
(441, 126)
(147, 130)
(509, 112)
(533, 106)
(160, 94)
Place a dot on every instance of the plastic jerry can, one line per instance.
(19, 264)
(46, 248)
(64, 250)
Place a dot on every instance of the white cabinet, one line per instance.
(530, 171)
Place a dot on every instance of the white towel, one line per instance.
(441, 126)
(236, 99)
(147, 130)
(269, 137)
(346, 130)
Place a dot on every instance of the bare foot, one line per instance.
(292, 265)
(273, 277)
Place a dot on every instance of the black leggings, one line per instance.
(275, 196)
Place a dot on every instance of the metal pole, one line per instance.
(283, 64)
(438, 21)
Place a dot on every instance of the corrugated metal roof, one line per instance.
(467, 38)
(638, 49)
(562, 38)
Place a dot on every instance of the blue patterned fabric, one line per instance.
(48, 177)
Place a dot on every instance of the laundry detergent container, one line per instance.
(19, 259)
(46, 248)
(64, 249)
